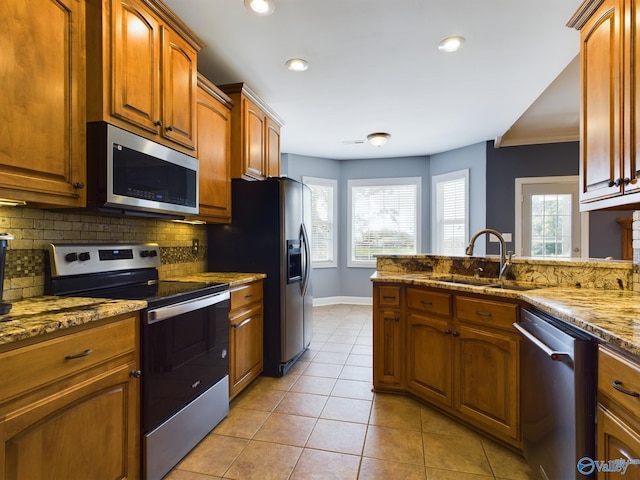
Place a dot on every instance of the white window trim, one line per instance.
(584, 216)
(382, 181)
(330, 182)
(446, 177)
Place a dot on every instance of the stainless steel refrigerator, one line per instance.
(268, 234)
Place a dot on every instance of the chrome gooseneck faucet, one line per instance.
(505, 263)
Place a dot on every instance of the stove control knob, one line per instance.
(153, 253)
(144, 253)
(71, 257)
(84, 256)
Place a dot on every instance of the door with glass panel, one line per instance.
(551, 223)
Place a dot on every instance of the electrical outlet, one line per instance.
(195, 246)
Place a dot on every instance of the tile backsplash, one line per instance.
(34, 229)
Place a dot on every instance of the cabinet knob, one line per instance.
(158, 123)
(135, 373)
(626, 181)
(447, 332)
(612, 183)
(456, 334)
(169, 128)
(78, 185)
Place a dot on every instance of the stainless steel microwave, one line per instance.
(130, 175)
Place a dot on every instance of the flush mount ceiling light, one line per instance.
(378, 139)
(260, 7)
(297, 64)
(450, 44)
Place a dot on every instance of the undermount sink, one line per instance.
(483, 283)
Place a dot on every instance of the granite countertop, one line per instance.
(40, 315)
(232, 278)
(611, 315)
(35, 316)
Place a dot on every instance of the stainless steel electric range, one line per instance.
(184, 341)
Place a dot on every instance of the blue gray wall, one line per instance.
(346, 281)
(505, 164)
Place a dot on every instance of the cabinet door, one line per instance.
(86, 431)
(430, 358)
(272, 162)
(631, 167)
(246, 359)
(254, 141)
(617, 440)
(388, 349)
(486, 372)
(214, 127)
(601, 129)
(42, 115)
(179, 89)
(136, 65)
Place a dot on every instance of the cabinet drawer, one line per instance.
(496, 314)
(616, 373)
(389, 296)
(246, 294)
(428, 301)
(36, 365)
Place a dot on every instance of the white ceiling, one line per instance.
(375, 66)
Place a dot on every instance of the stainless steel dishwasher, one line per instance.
(558, 378)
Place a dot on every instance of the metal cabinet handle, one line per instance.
(243, 323)
(456, 334)
(447, 332)
(483, 314)
(169, 128)
(135, 373)
(78, 185)
(389, 297)
(612, 183)
(158, 123)
(248, 295)
(88, 351)
(617, 384)
(424, 302)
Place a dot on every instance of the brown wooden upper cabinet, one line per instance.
(609, 137)
(142, 71)
(42, 119)
(213, 145)
(255, 135)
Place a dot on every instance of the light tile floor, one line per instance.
(321, 421)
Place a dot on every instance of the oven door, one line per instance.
(184, 353)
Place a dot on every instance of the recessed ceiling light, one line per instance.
(450, 44)
(260, 7)
(297, 64)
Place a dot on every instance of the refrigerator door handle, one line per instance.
(306, 259)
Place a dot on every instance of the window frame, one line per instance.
(435, 181)
(417, 181)
(333, 184)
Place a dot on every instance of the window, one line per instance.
(548, 220)
(450, 215)
(323, 221)
(384, 219)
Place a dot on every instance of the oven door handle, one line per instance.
(552, 354)
(162, 313)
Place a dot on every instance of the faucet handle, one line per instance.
(510, 254)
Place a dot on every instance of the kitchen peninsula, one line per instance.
(444, 332)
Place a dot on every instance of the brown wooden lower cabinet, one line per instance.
(618, 433)
(246, 360)
(457, 352)
(81, 418)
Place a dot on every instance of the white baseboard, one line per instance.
(320, 302)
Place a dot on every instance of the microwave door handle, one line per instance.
(306, 259)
